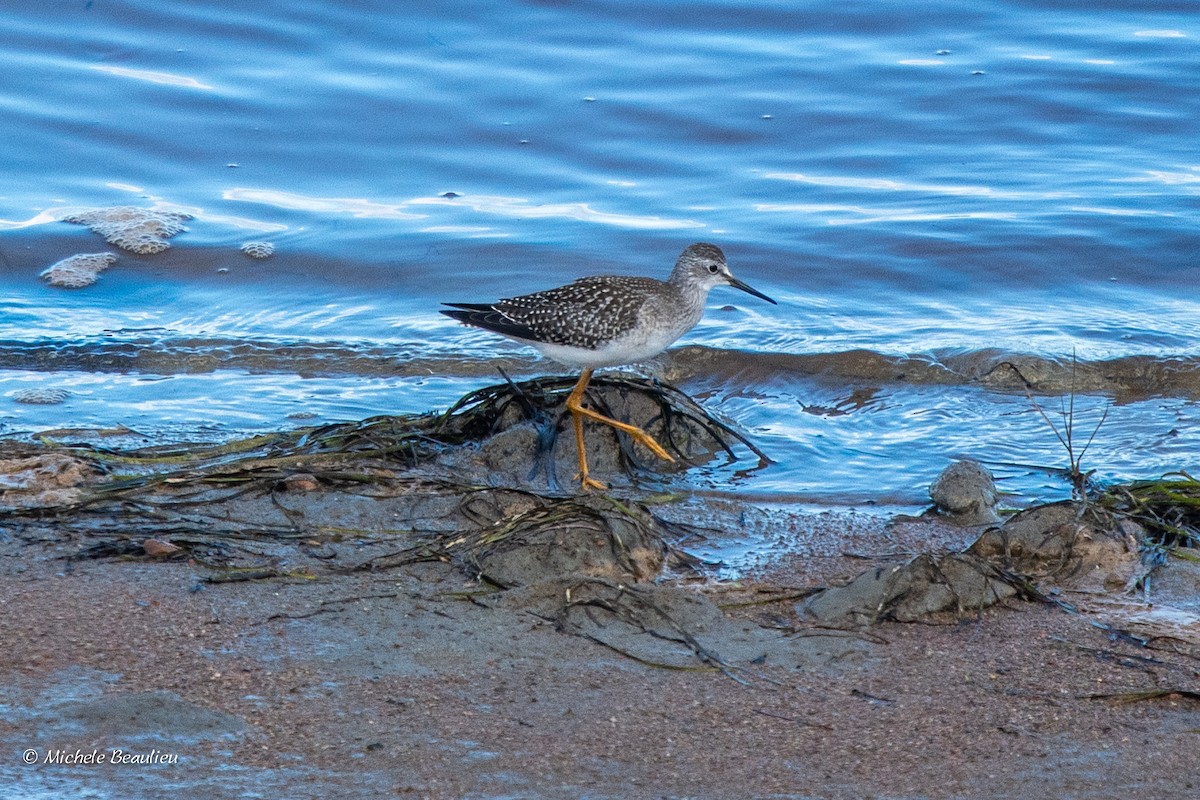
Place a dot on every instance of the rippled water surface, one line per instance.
(946, 182)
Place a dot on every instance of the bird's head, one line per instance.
(703, 265)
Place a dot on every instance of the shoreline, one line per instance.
(353, 610)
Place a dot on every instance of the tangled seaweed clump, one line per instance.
(526, 418)
(464, 490)
(1167, 509)
(139, 230)
(75, 272)
(402, 488)
(450, 446)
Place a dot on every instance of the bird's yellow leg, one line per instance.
(585, 481)
(575, 406)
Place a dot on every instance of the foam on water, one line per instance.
(75, 272)
(138, 230)
(258, 249)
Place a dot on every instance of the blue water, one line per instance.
(906, 179)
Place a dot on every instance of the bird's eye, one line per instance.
(714, 269)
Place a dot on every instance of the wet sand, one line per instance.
(415, 678)
(399, 684)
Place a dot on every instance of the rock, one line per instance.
(1065, 545)
(301, 482)
(530, 440)
(909, 592)
(158, 548)
(965, 493)
(592, 537)
(1063, 541)
(50, 479)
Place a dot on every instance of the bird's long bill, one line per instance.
(745, 287)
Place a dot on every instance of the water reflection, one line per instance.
(582, 212)
(294, 201)
(150, 76)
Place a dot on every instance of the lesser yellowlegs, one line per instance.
(606, 321)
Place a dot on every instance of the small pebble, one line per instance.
(159, 548)
(301, 482)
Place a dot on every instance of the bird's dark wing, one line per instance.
(587, 313)
(485, 316)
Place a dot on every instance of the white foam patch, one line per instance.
(78, 271)
(138, 230)
(258, 249)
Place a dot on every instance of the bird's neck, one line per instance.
(692, 296)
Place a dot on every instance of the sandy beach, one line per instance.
(353, 668)
(397, 685)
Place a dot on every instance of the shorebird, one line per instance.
(606, 321)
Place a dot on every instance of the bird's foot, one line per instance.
(651, 444)
(587, 484)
